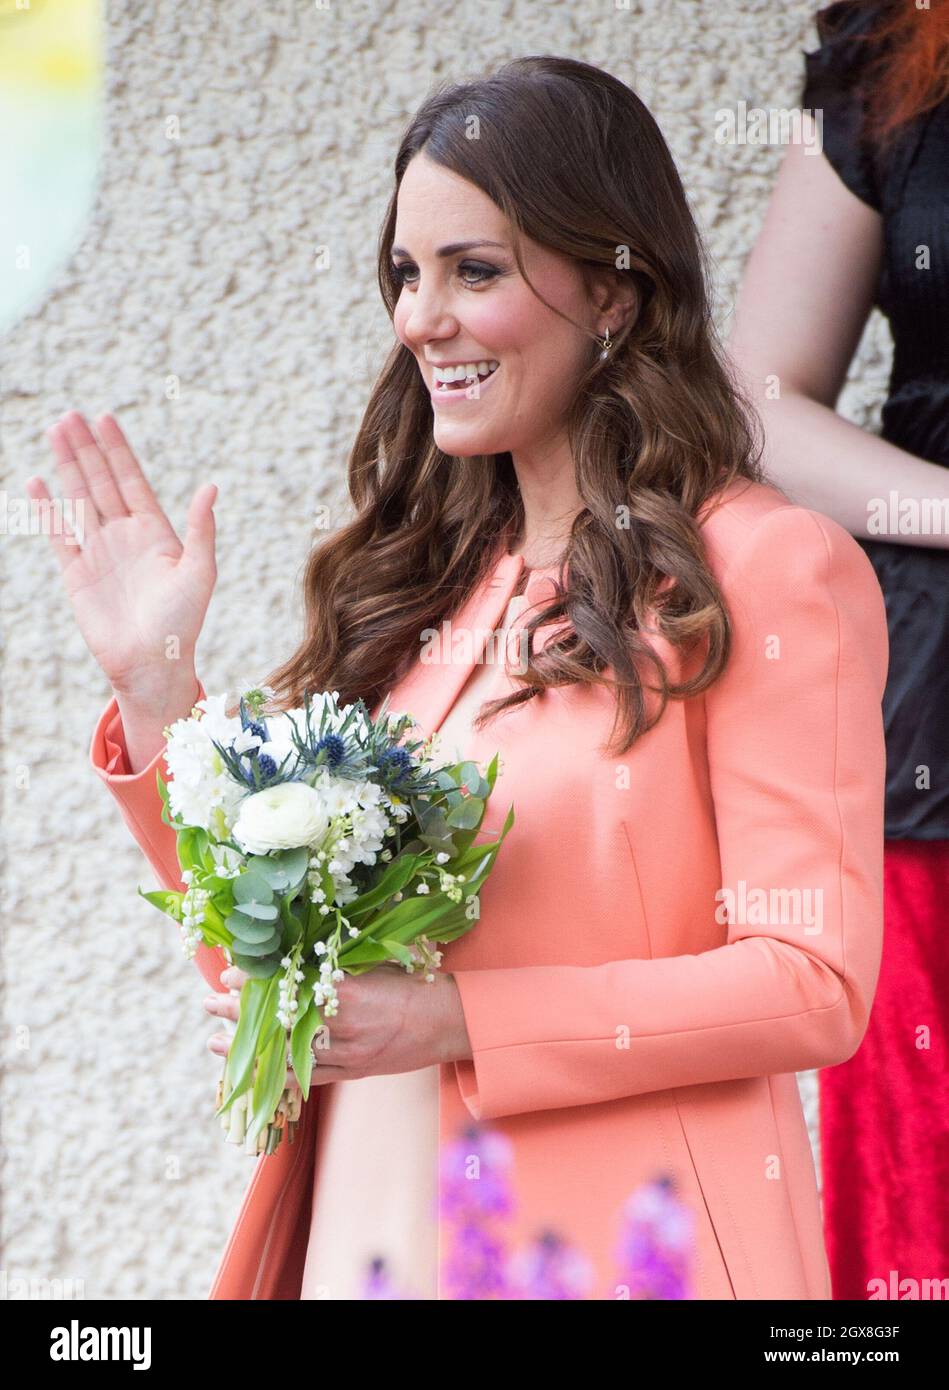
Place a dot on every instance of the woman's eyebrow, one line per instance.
(453, 248)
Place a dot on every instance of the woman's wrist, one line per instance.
(454, 1043)
(147, 707)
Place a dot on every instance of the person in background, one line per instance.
(866, 223)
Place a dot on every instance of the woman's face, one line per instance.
(463, 300)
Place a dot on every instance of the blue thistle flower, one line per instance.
(398, 758)
(334, 747)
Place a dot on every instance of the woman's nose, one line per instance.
(428, 320)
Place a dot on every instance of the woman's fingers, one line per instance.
(93, 466)
(126, 470)
(66, 544)
(71, 478)
(220, 1043)
(223, 1005)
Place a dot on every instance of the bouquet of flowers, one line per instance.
(313, 843)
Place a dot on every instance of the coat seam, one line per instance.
(679, 1032)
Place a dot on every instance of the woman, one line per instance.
(880, 77)
(698, 726)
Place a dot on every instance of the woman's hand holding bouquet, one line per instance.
(313, 843)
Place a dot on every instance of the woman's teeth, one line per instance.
(450, 378)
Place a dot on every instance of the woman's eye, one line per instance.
(406, 273)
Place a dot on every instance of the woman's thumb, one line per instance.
(199, 533)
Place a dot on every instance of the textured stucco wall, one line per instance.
(198, 268)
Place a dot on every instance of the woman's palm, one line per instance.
(138, 593)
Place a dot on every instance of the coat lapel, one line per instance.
(430, 688)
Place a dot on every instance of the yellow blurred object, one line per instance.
(53, 43)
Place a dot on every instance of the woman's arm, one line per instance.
(805, 297)
(796, 762)
(139, 594)
(139, 802)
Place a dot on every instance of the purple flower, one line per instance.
(474, 1194)
(549, 1269)
(656, 1243)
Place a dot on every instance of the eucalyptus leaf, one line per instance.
(295, 863)
(260, 912)
(259, 969)
(250, 887)
(471, 778)
(249, 929)
(271, 869)
(258, 949)
(467, 815)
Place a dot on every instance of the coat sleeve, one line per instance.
(140, 807)
(796, 761)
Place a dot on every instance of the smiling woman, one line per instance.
(699, 709)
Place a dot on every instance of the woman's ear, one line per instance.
(615, 298)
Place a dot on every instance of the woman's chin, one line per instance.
(463, 440)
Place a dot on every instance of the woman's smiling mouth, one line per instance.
(463, 381)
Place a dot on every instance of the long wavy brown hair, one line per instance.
(576, 162)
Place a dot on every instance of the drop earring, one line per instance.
(606, 343)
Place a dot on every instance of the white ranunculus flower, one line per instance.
(284, 816)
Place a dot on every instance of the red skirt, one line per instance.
(884, 1114)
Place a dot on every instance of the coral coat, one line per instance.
(668, 935)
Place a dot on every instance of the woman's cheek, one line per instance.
(400, 316)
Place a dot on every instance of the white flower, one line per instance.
(229, 863)
(201, 792)
(285, 816)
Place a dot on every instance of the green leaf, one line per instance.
(472, 779)
(395, 948)
(295, 862)
(286, 908)
(258, 969)
(269, 1082)
(166, 900)
(419, 923)
(256, 1020)
(214, 929)
(436, 831)
(393, 880)
(468, 814)
(163, 793)
(258, 949)
(250, 890)
(302, 1034)
(261, 912)
(271, 869)
(249, 929)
